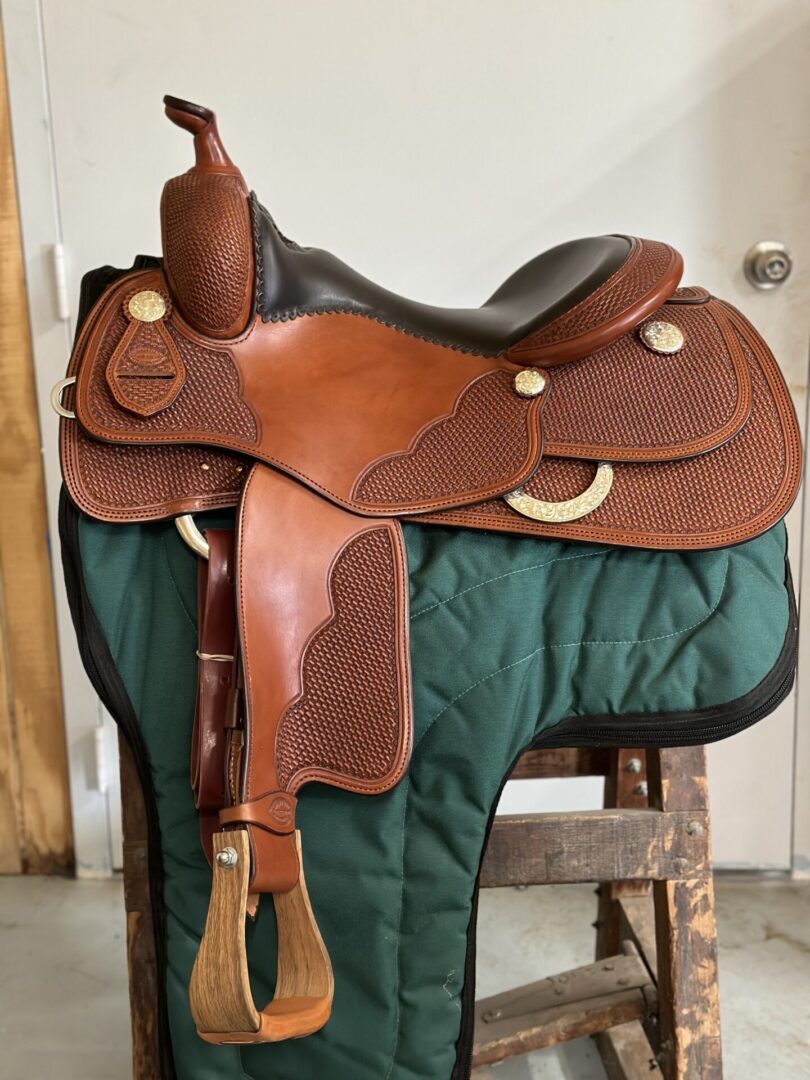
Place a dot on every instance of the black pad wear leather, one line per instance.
(306, 281)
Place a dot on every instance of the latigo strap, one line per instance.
(216, 719)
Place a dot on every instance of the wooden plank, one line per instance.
(612, 975)
(560, 763)
(549, 1027)
(141, 954)
(31, 726)
(593, 845)
(687, 977)
(637, 924)
(686, 935)
(677, 778)
(10, 824)
(625, 786)
(11, 856)
(626, 1053)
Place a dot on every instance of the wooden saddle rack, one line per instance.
(590, 398)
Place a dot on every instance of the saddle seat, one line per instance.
(307, 281)
(578, 282)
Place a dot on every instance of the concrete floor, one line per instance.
(63, 982)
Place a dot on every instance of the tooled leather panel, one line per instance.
(211, 376)
(627, 402)
(690, 294)
(147, 483)
(208, 250)
(463, 452)
(346, 720)
(650, 262)
(724, 497)
(145, 373)
(652, 269)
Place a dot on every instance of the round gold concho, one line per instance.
(662, 337)
(530, 382)
(146, 306)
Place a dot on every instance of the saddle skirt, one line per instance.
(591, 398)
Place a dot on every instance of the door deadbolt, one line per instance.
(767, 264)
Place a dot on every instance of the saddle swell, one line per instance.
(589, 398)
(206, 231)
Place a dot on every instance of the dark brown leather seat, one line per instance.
(303, 280)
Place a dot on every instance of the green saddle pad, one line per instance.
(512, 640)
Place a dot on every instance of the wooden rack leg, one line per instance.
(625, 913)
(685, 928)
(141, 952)
(625, 787)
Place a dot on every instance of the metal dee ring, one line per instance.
(187, 527)
(558, 513)
(56, 397)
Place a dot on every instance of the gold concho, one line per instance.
(662, 337)
(530, 382)
(146, 306)
(571, 509)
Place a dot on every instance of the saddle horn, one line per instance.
(206, 231)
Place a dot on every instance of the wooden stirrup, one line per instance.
(221, 1001)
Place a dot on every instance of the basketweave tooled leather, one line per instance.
(738, 490)
(145, 372)
(208, 236)
(627, 403)
(113, 482)
(650, 275)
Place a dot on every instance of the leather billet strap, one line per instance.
(217, 708)
(322, 603)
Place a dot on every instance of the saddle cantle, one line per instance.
(589, 398)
